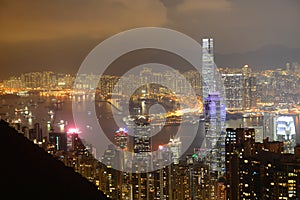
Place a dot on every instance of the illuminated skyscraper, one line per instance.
(208, 66)
(142, 143)
(73, 139)
(175, 147)
(141, 182)
(214, 112)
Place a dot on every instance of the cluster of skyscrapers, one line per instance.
(228, 163)
(254, 170)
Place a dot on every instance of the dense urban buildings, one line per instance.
(248, 147)
(259, 170)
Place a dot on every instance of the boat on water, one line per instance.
(30, 116)
(246, 115)
(31, 103)
(19, 109)
(50, 112)
(40, 100)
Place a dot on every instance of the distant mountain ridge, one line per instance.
(267, 57)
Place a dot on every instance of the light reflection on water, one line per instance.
(63, 118)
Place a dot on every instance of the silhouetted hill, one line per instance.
(28, 172)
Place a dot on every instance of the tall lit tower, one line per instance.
(215, 114)
(142, 161)
(207, 66)
(121, 139)
(142, 140)
(214, 109)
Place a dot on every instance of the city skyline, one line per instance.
(157, 99)
(272, 117)
(65, 32)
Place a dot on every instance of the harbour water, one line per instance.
(55, 114)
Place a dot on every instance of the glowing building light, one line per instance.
(73, 130)
(121, 137)
(160, 147)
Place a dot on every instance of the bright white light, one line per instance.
(122, 130)
(73, 130)
(286, 126)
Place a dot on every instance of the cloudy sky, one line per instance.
(57, 35)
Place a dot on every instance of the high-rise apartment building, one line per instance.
(239, 144)
(249, 88)
(233, 84)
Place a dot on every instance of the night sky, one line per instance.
(57, 35)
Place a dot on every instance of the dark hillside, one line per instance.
(28, 172)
